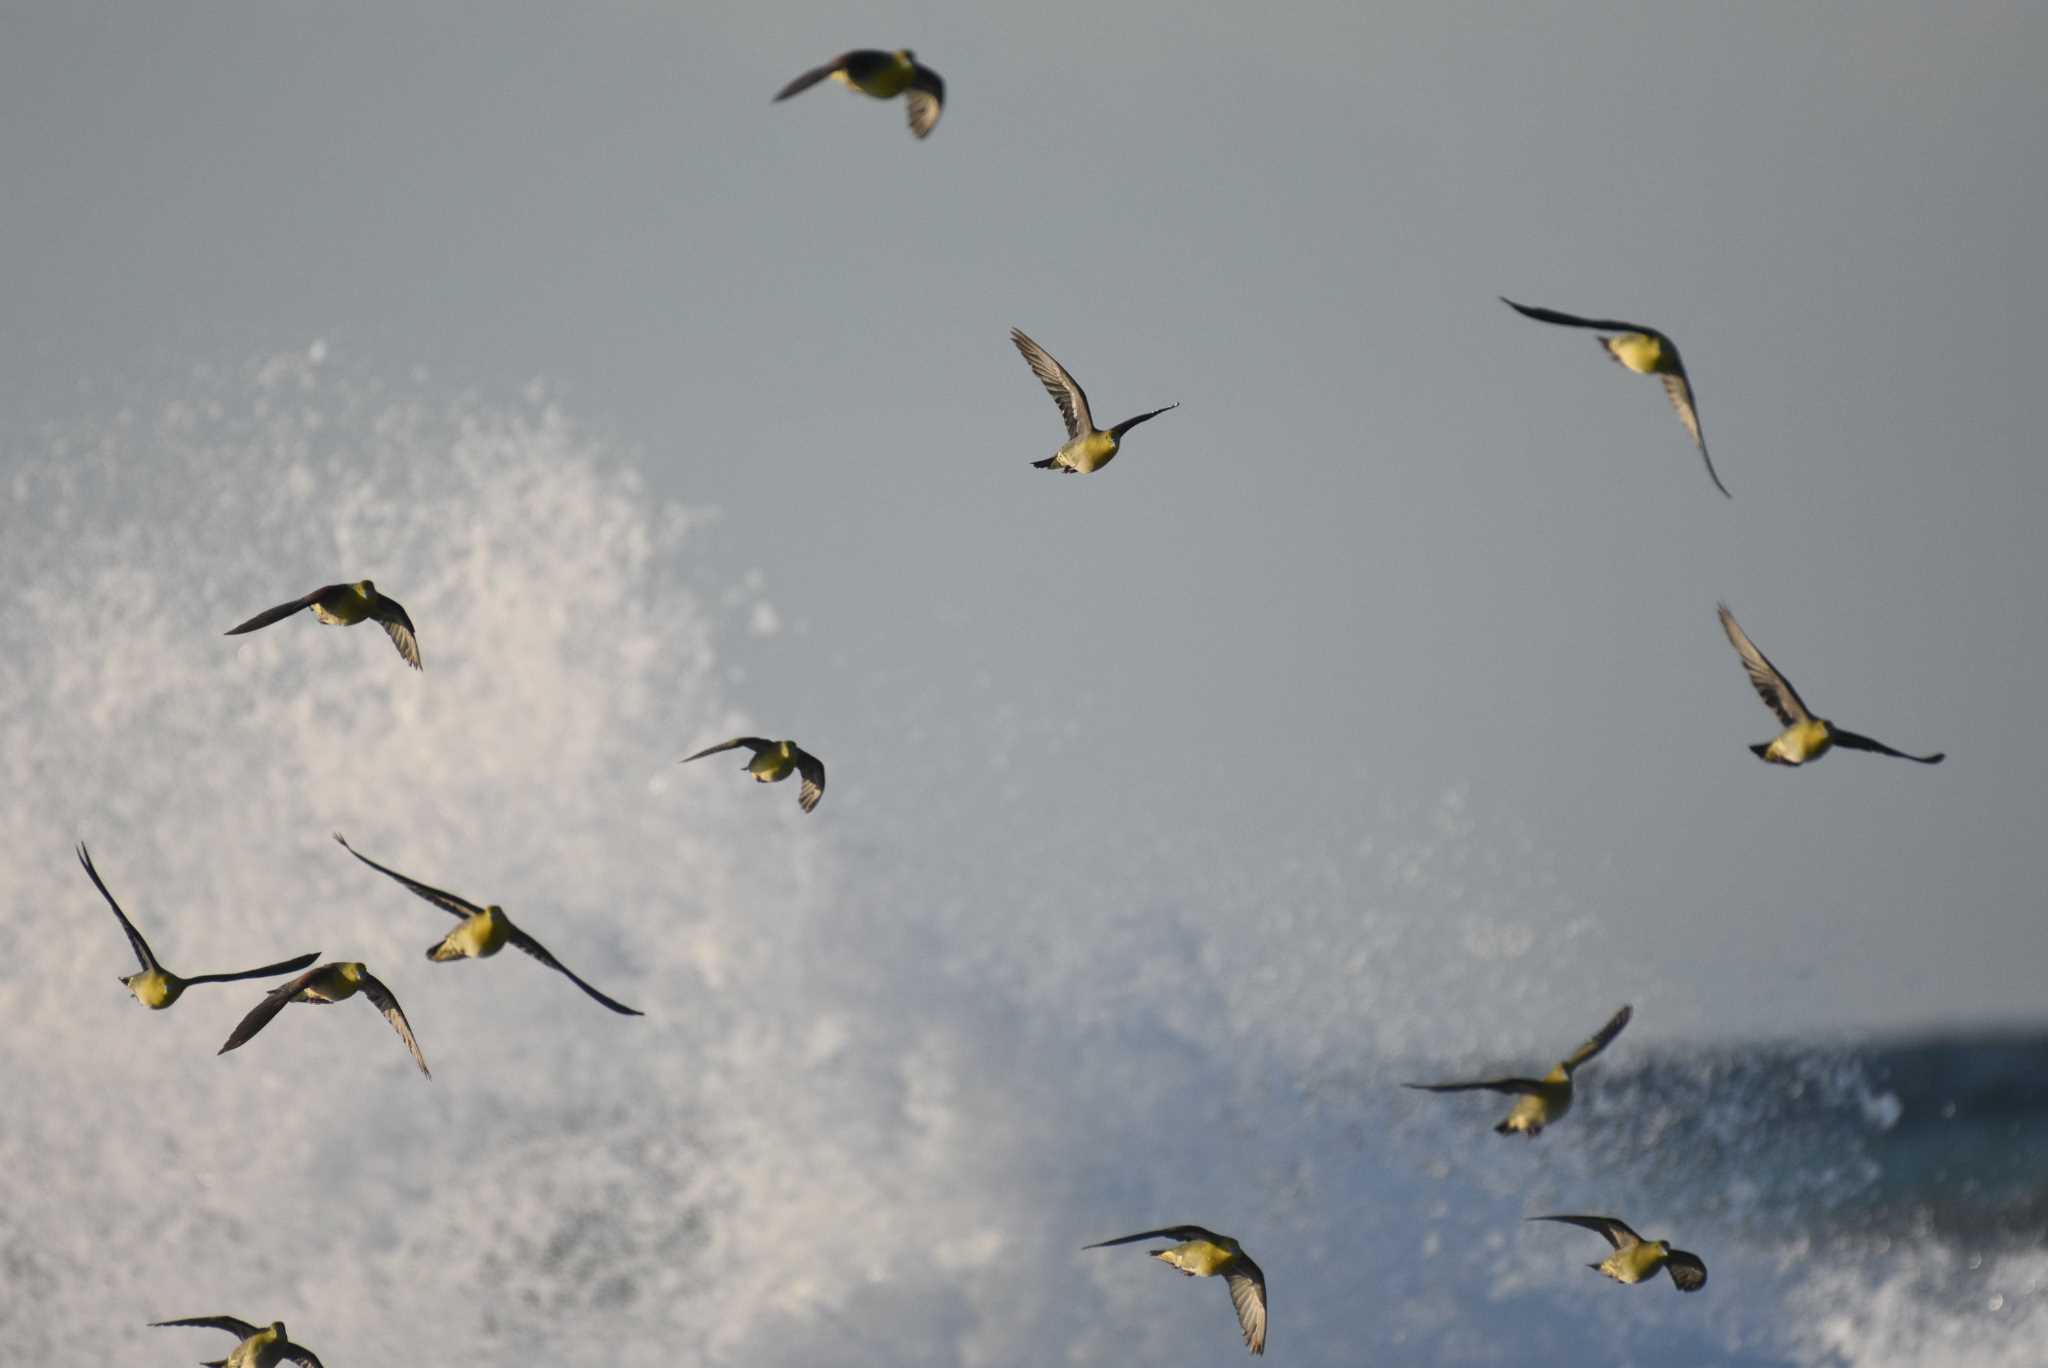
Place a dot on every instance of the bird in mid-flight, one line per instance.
(773, 762)
(1088, 448)
(344, 605)
(1805, 737)
(484, 930)
(883, 75)
(261, 1346)
(156, 987)
(1646, 352)
(334, 982)
(1540, 1101)
(1635, 1258)
(1203, 1254)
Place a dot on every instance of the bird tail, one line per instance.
(446, 950)
(1762, 751)
(1049, 463)
(1502, 1129)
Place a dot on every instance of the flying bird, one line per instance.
(1088, 448)
(333, 982)
(1202, 1254)
(263, 1347)
(156, 987)
(484, 930)
(1634, 1258)
(344, 605)
(1805, 737)
(883, 75)
(1540, 1101)
(773, 762)
(1646, 352)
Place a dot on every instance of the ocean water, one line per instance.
(901, 1060)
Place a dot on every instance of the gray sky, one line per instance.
(1411, 601)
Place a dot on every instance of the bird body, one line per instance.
(1806, 737)
(344, 605)
(884, 75)
(1203, 1253)
(774, 761)
(1087, 448)
(156, 987)
(483, 932)
(1540, 1102)
(260, 1347)
(337, 981)
(1635, 1259)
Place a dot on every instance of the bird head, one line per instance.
(906, 54)
(351, 971)
(366, 588)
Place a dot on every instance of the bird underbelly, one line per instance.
(153, 991)
(1638, 351)
(1800, 743)
(348, 614)
(769, 769)
(477, 938)
(1532, 1112)
(1197, 1257)
(1090, 453)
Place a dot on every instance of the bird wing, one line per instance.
(1248, 1295)
(1773, 688)
(1127, 424)
(540, 952)
(285, 610)
(1678, 388)
(135, 939)
(290, 966)
(812, 769)
(1601, 1038)
(380, 998)
(231, 1324)
(1853, 741)
(1499, 1085)
(1186, 1232)
(260, 1015)
(300, 1355)
(753, 743)
(398, 627)
(1687, 1269)
(1574, 321)
(925, 96)
(1065, 389)
(810, 78)
(447, 902)
(1616, 1232)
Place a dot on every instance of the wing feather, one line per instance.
(1614, 1231)
(540, 952)
(812, 771)
(808, 79)
(926, 97)
(1574, 321)
(1064, 389)
(1687, 1269)
(1184, 1232)
(1248, 1295)
(1854, 741)
(1772, 687)
(1601, 1039)
(285, 610)
(753, 743)
(447, 902)
(1499, 1085)
(233, 1325)
(135, 940)
(381, 998)
(263, 1012)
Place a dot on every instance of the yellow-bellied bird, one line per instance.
(344, 605)
(261, 1347)
(1088, 448)
(156, 987)
(883, 75)
(773, 762)
(484, 930)
(1635, 1258)
(1646, 352)
(1202, 1254)
(1805, 737)
(1544, 1100)
(334, 982)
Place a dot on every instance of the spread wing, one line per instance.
(300, 1355)
(1248, 1295)
(290, 966)
(1773, 688)
(1687, 1269)
(1615, 1232)
(1678, 388)
(925, 96)
(398, 627)
(447, 902)
(230, 1324)
(1064, 389)
(285, 610)
(135, 940)
(1183, 1233)
(1852, 741)
(810, 78)
(1601, 1039)
(261, 1014)
(539, 952)
(1574, 321)
(1499, 1085)
(812, 770)
(380, 998)
(753, 743)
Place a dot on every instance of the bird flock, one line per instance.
(484, 930)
